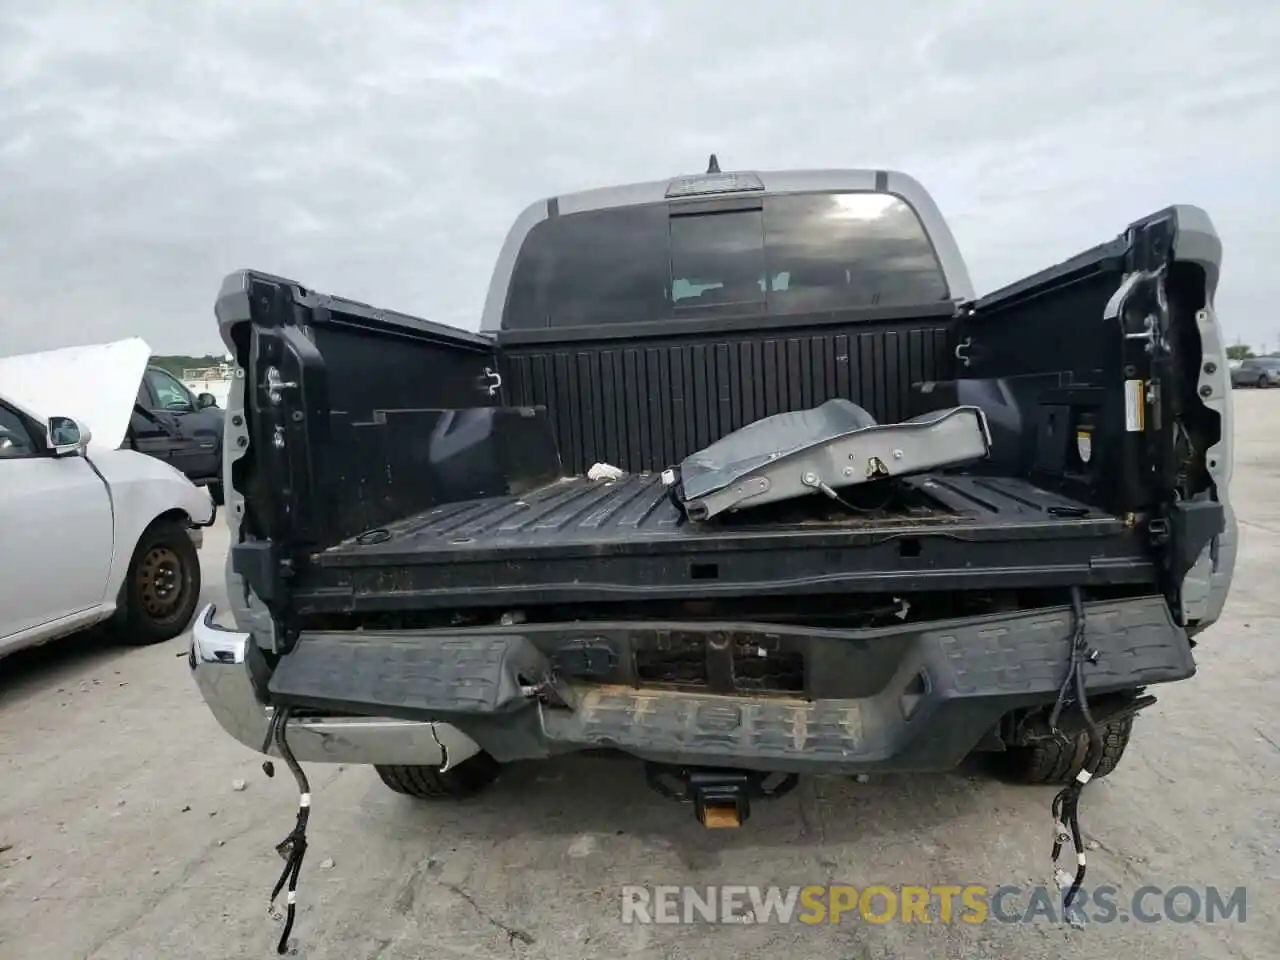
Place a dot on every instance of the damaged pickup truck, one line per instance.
(738, 478)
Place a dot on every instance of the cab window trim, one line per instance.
(530, 282)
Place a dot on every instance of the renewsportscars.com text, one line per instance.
(936, 903)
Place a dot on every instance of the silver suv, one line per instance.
(1257, 372)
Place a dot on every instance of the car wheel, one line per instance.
(1263, 382)
(430, 783)
(161, 589)
(1056, 762)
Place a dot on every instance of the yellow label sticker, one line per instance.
(1084, 445)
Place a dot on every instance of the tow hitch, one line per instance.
(721, 797)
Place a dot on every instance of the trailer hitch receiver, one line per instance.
(721, 797)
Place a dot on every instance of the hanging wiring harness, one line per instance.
(1066, 805)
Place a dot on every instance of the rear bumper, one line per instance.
(222, 662)
(917, 697)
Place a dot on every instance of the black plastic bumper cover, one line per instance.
(952, 683)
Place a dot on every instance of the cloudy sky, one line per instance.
(380, 150)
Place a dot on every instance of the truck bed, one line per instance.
(577, 540)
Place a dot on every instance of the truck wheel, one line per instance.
(1058, 761)
(162, 587)
(430, 783)
(1263, 382)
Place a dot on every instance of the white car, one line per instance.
(90, 532)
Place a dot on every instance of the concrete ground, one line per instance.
(122, 833)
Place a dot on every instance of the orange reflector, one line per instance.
(720, 817)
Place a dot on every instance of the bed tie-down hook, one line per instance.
(491, 382)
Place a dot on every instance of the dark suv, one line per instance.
(171, 423)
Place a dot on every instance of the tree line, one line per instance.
(177, 363)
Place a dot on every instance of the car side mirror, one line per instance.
(206, 400)
(67, 437)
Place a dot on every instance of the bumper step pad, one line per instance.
(414, 677)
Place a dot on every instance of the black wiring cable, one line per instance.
(292, 848)
(855, 508)
(1066, 805)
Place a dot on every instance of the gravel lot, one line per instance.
(122, 833)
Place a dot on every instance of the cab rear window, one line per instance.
(793, 253)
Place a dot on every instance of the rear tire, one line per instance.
(430, 783)
(1056, 762)
(161, 589)
(1263, 382)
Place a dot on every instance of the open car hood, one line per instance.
(96, 384)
